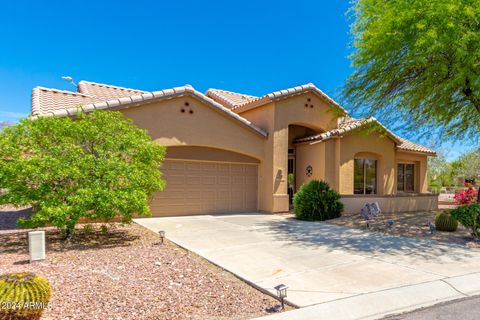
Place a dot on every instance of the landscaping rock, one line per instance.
(120, 276)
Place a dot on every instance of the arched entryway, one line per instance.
(202, 180)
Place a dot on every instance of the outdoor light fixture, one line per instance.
(282, 293)
(162, 235)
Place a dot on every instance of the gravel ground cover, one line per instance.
(409, 224)
(128, 274)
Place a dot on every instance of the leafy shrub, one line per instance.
(445, 222)
(469, 217)
(23, 296)
(88, 229)
(316, 201)
(96, 166)
(104, 229)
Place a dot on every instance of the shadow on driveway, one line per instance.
(312, 234)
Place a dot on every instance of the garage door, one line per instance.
(196, 187)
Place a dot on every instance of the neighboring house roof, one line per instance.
(51, 102)
(351, 124)
(254, 102)
(228, 98)
(105, 91)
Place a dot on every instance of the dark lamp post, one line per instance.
(162, 235)
(282, 293)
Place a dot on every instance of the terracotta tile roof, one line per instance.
(228, 98)
(55, 103)
(344, 127)
(105, 91)
(415, 147)
(351, 124)
(282, 94)
(45, 100)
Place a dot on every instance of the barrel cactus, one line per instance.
(23, 296)
(445, 222)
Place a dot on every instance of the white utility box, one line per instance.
(36, 245)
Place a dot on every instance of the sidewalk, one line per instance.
(392, 301)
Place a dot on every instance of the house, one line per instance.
(232, 152)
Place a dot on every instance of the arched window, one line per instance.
(365, 176)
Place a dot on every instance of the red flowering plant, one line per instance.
(466, 196)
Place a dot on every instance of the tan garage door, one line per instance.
(196, 187)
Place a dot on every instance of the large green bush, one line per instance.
(97, 166)
(469, 217)
(316, 201)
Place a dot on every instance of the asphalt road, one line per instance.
(464, 309)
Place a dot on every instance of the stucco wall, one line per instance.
(306, 110)
(298, 110)
(168, 126)
(264, 117)
(309, 155)
(374, 146)
(424, 202)
(332, 163)
(205, 127)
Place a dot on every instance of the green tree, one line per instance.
(418, 61)
(439, 172)
(98, 166)
(468, 165)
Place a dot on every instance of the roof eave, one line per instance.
(313, 89)
(251, 105)
(149, 97)
(287, 93)
(424, 153)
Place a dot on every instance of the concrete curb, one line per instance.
(379, 304)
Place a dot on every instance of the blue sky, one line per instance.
(252, 47)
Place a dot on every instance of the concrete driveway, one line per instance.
(331, 270)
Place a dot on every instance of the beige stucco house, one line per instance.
(231, 152)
